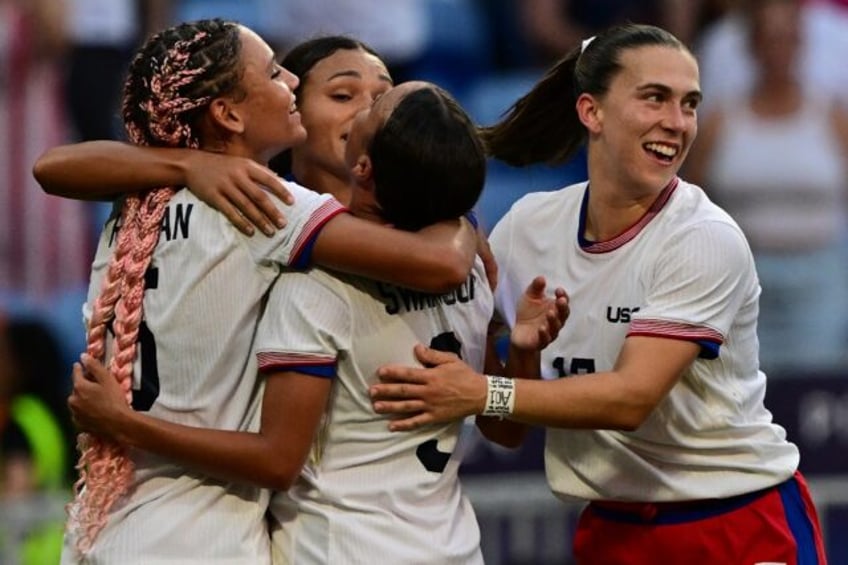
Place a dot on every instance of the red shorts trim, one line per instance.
(777, 525)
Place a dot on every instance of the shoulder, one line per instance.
(541, 200)
(693, 216)
(296, 189)
(537, 207)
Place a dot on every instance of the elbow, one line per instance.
(44, 168)
(454, 273)
(631, 417)
(282, 477)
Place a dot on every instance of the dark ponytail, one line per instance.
(543, 126)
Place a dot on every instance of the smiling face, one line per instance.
(271, 122)
(641, 129)
(334, 91)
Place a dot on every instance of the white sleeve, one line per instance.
(291, 246)
(306, 324)
(699, 282)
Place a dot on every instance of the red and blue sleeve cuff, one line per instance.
(301, 256)
(707, 338)
(315, 365)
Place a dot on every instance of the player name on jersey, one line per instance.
(398, 299)
(175, 223)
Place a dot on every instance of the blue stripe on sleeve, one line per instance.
(709, 349)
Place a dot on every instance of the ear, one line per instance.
(227, 115)
(363, 171)
(590, 112)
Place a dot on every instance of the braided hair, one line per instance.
(171, 81)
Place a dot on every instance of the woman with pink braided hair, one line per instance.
(182, 292)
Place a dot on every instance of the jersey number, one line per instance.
(428, 452)
(579, 366)
(148, 391)
(145, 395)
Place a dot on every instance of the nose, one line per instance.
(675, 118)
(290, 79)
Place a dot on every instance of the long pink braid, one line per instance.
(105, 469)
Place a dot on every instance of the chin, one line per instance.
(662, 177)
(297, 137)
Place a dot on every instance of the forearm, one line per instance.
(436, 259)
(645, 372)
(102, 169)
(227, 455)
(595, 401)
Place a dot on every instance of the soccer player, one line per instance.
(653, 397)
(339, 76)
(364, 489)
(213, 85)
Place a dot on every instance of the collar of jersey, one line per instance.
(617, 241)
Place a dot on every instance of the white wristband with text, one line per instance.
(500, 396)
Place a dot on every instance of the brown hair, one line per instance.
(543, 126)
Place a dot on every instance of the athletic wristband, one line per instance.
(500, 396)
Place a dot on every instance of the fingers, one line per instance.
(388, 390)
(399, 406)
(400, 374)
(80, 382)
(94, 369)
(244, 201)
(431, 357)
(536, 288)
(278, 188)
(77, 374)
(253, 206)
(563, 306)
(235, 217)
(261, 177)
(408, 424)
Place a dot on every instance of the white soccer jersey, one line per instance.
(683, 271)
(205, 288)
(367, 495)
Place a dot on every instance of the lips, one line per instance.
(662, 151)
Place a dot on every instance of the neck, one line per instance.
(235, 150)
(322, 181)
(612, 209)
(363, 205)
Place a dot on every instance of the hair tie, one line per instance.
(586, 43)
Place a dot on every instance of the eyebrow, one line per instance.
(356, 74)
(665, 89)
